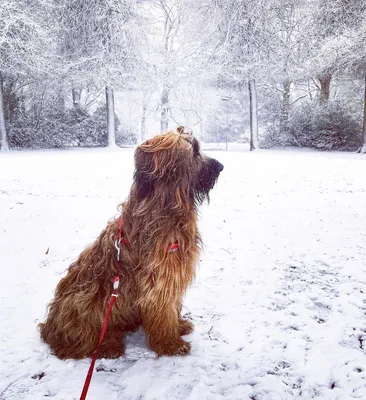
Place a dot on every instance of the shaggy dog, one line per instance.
(159, 251)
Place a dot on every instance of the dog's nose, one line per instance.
(220, 167)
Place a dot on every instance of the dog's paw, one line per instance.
(185, 327)
(111, 352)
(183, 349)
(178, 348)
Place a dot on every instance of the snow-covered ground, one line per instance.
(279, 303)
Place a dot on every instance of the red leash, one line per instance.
(104, 328)
(109, 310)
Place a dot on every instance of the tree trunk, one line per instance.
(164, 110)
(227, 125)
(363, 147)
(76, 96)
(3, 137)
(111, 127)
(61, 95)
(143, 120)
(253, 113)
(285, 111)
(324, 81)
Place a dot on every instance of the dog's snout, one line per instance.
(220, 167)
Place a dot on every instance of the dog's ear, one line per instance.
(183, 131)
(144, 177)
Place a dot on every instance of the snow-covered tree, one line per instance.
(100, 43)
(25, 43)
(175, 58)
(363, 145)
(262, 42)
(340, 43)
(330, 30)
(240, 50)
(355, 61)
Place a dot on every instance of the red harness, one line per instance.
(119, 239)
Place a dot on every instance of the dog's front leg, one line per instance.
(160, 320)
(185, 326)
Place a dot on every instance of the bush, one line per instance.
(24, 133)
(271, 138)
(327, 127)
(125, 136)
(71, 128)
(92, 131)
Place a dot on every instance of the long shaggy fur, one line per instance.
(171, 179)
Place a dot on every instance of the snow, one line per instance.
(279, 302)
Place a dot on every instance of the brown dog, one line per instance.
(171, 179)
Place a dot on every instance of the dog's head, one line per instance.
(173, 164)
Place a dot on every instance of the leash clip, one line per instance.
(118, 248)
